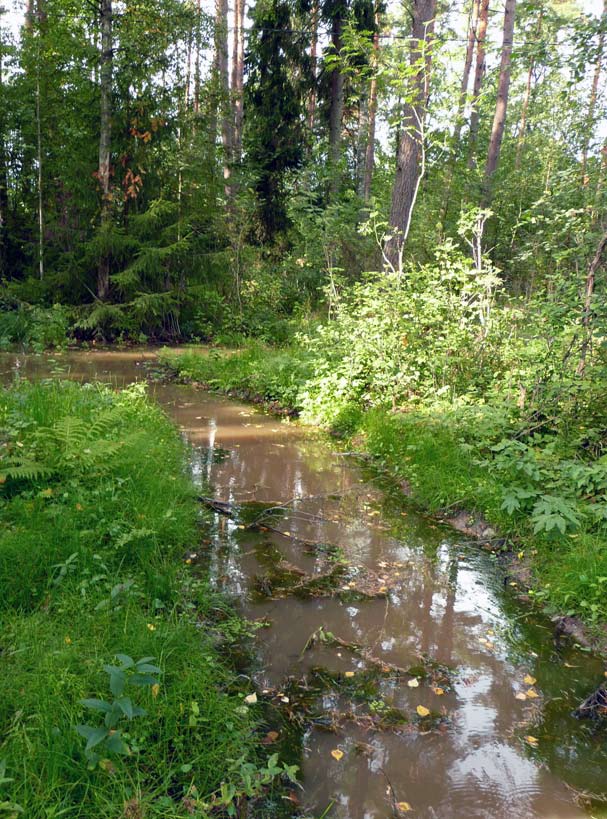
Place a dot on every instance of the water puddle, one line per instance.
(416, 679)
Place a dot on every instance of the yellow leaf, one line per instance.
(531, 740)
(337, 754)
(251, 699)
(404, 807)
(529, 680)
(155, 690)
(438, 691)
(532, 695)
(422, 711)
(414, 683)
(46, 493)
(151, 627)
(68, 641)
(520, 696)
(349, 674)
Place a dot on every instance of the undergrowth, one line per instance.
(117, 699)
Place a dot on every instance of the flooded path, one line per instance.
(400, 591)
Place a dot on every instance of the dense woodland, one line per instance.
(171, 175)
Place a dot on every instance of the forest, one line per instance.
(385, 220)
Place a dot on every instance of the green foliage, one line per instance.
(35, 328)
(91, 561)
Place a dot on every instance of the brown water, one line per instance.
(446, 601)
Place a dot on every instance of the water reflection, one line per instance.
(445, 602)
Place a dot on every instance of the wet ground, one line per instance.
(443, 695)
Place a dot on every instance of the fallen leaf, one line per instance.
(531, 740)
(349, 674)
(532, 695)
(414, 683)
(337, 754)
(520, 696)
(438, 691)
(251, 699)
(404, 807)
(422, 711)
(155, 690)
(529, 680)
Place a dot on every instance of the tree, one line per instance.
(369, 159)
(410, 159)
(238, 79)
(590, 117)
(479, 75)
(501, 107)
(105, 137)
(274, 97)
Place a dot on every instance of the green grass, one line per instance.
(97, 514)
(273, 375)
(442, 457)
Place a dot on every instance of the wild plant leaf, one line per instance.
(93, 735)
(116, 744)
(97, 705)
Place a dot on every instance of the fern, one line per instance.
(24, 469)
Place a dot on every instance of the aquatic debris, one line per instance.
(594, 706)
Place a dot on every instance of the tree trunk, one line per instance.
(410, 160)
(337, 103)
(197, 61)
(372, 117)
(587, 314)
(479, 75)
(501, 107)
(238, 78)
(524, 112)
(222, 82)
(105, 136)
(313, 66)
(3, 179)
(593, 96)
(461, 108)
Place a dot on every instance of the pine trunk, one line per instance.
(337, 102)
(410, 160)
(461, 108)
(479, 76)
(105, 135)
(222, 82)
(501, 107)
(3, 181)
(370, 147)
(238, 78)
(313, 66)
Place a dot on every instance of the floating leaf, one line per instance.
(414, 683)
(404, 807)
(337, 754)
(251, 699)
(422, 711)
(529, 680)
(438, 691)
(532, 695)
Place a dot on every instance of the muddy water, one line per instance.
(439, 601)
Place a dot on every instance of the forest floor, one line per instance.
(434, 460)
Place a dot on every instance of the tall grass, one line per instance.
(93, 536)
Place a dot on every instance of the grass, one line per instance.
(97, 514)
(448, 456)
(255, 372)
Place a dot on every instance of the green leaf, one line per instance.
(97, 705)
(116, 744)
(92, 735)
